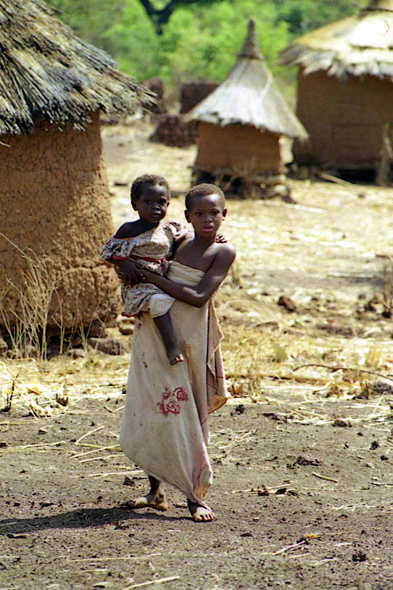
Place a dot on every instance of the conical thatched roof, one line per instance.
(248, 96)
(359, 45)
(46, 72)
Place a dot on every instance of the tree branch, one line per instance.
(162, 16)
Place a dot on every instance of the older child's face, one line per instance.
(206, 215)
(152, 205)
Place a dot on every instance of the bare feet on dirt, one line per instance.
(200, 513)
(156, 500)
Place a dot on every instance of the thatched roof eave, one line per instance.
(312, 61)
(231, 122)
(47, 73)
(359, 45)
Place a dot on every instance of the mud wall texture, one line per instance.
(344, 119)
(192, 93)
(237, 148)
(55, 216)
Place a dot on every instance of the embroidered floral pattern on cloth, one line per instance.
(170, 403)
(156, 245)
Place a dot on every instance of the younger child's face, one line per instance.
(152, 205)
(206, 215)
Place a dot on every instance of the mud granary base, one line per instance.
(235, 185)
(54, 218)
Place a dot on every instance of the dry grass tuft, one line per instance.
(27, 321)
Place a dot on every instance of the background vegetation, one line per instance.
(201, 37)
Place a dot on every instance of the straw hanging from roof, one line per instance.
(48, 73)
(380, 5)
(248, 96)
(358, 45)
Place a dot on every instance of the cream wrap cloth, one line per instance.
(165, 425)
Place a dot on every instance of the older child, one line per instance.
(165, 426)
(146, 243)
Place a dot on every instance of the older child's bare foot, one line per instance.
(153, 500)
(200, 513)
(174, 355)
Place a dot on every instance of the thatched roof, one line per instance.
(47, 73)
(248, 96)
(359, 45)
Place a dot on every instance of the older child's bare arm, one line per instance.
(199, 295)
(126, 270)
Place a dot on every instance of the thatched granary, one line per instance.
(241, 124)
(54, 200)
(345, 89)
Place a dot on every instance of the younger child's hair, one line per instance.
(203, 190)
(147, 180)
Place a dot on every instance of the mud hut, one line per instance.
(54, 199)
(241, 125)
(192, 93)
(345, 89)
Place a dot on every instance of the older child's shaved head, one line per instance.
(147, 181)
(203, 190)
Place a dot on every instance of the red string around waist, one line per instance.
(159, 260)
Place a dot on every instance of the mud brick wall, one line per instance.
(173, 131)
(344, 119)
(193, 93)
(157, 86)
(238, 148)
(55, 209)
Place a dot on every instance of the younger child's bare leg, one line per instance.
(200, 513)
(165, 328)
(156, 498)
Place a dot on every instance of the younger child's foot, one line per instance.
(174, 355)
(157, 501)
(200, 513)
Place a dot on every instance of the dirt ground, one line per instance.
(302, 453)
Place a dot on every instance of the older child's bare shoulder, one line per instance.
(222, 257)
(226, 251)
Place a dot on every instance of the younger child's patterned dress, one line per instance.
(150, 250)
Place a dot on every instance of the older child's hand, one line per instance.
(128, 272)
(148, 277)
(220, 239)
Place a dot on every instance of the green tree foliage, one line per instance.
(201, 38)
(198, 42)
